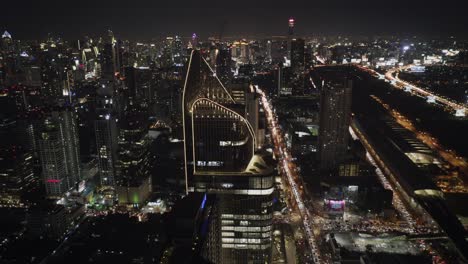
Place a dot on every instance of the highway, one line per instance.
(457, 181)
(392, 76)
(289, 169)
(312, 221)
(401, 200)
(375, 160)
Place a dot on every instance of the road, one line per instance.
(401, 200)
(392, 76)
(289, 170)
(458, 184)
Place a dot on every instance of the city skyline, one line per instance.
(145, 20)
(134, 143)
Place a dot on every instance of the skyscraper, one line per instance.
(106, 135)
(223, 64)
(110, 59)
(335, 115)
(297, 54)
(290, 36)
(16, 164)
(220, 159)
(134, 183)
(59, 152)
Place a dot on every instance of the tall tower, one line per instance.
(291, 22)
(59, 153)
(220, 159)
(297, 54)
(110, 57)
(7, 41)
(16, 163)
(335, 115)
(134, 158)
(106, 134)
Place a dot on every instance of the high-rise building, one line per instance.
(7, 42)
(59, 152)
(335, 115)
(16, 165)
(177, 53)
(220, 159)
(110, 59)
(134, 183)
(279, 50)
(223, 64)
(297, 54)
(290, 36)
(106, 135)
(252, 114)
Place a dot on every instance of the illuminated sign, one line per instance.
(53, 181)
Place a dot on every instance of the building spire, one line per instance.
(6, 34)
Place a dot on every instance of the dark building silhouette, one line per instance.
(335, 115)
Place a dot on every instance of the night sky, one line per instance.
(140, 20)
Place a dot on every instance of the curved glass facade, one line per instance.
(223, 140)
(219, 146)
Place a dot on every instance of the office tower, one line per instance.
(284, 77)
(7, 42)
(297, 55)
(134, 183)
(297, 66)
(220, 159)
(59, 152)
(290, 37)
(335, 115)
(178, 52)
(252, 114)
(109, 57)
(16, 168)
(33, 76)
(106, 132)
(223, 64)
(139, 84)
(207, 102)
(130, 82)
(51, 80)
(279, 51)
(167, 57)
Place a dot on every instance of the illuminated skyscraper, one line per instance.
(59, 152)
(106, 135)
(208, 106)
(16, 164)
(134, 181)
(297, 54)
(223, 64)
(7, 42)
(110, 57)
(220, 159)
(290, 36)
(335, 115)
